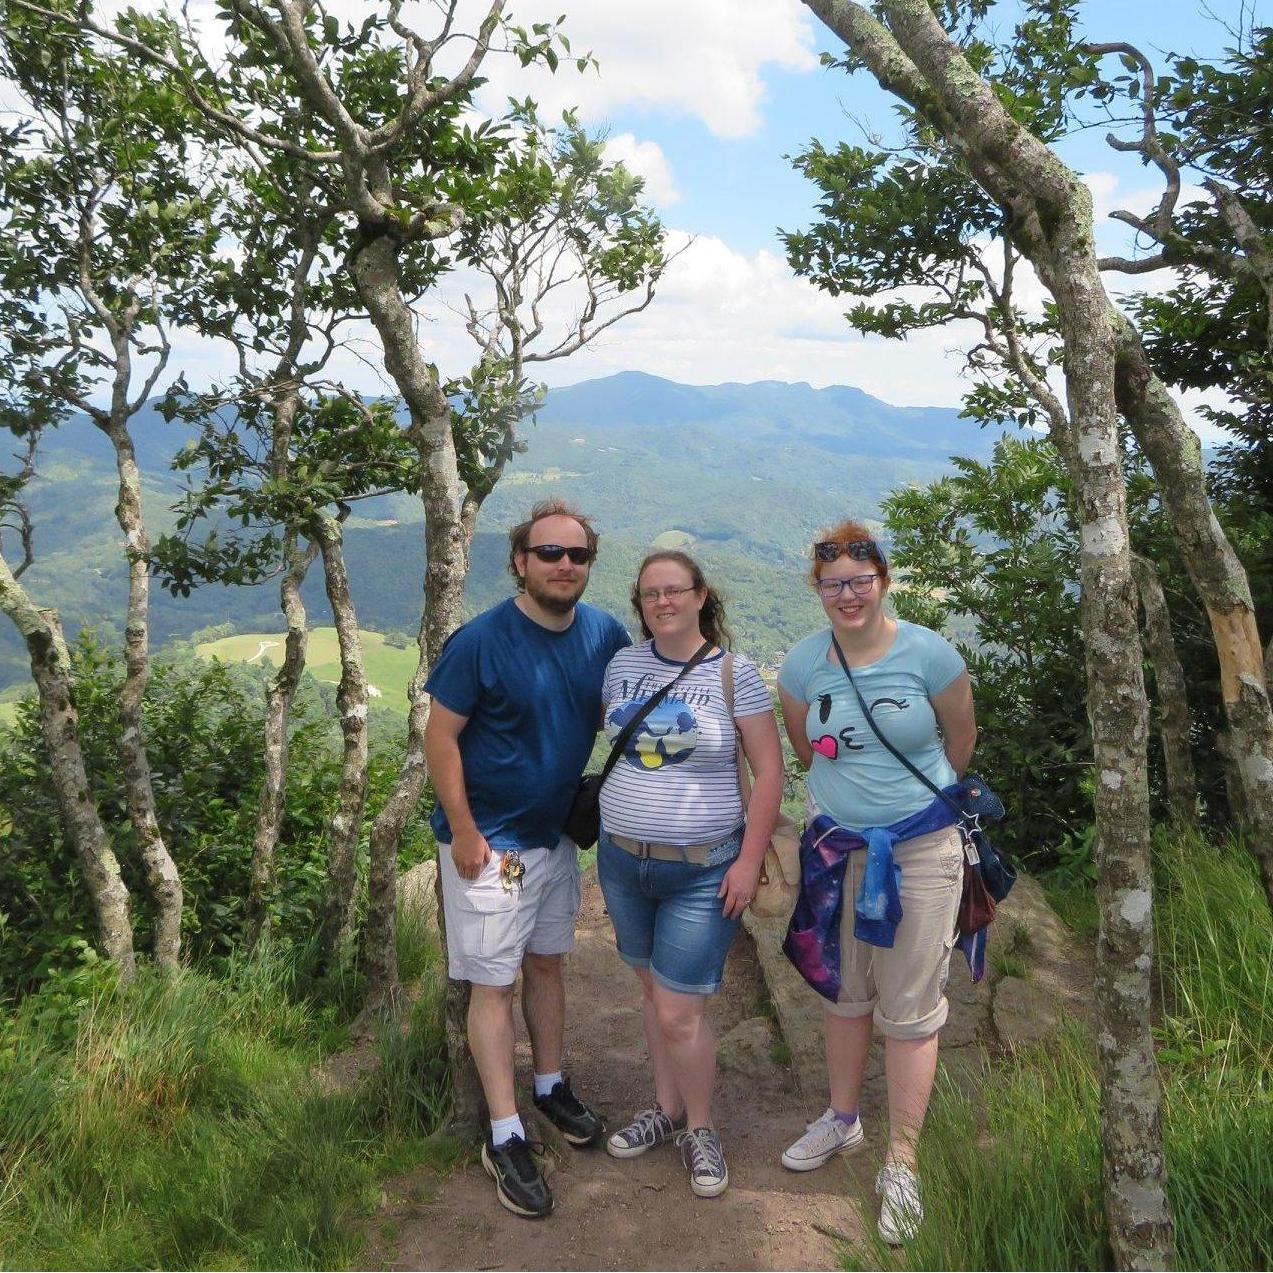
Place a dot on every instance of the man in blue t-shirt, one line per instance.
(516, 708)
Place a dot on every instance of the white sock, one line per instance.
(544, 1083)
(503, 1129)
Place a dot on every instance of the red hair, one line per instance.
(845, 533)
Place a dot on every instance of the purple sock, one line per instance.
(847, 1119)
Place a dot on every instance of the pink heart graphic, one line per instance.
(826, 746)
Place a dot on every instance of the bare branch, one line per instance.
(1148, 144)
(1255, 244)
(424, 99)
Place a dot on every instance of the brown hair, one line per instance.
(845, 533)
(711, 618)
(519, 536)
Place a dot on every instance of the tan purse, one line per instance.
(779, 883)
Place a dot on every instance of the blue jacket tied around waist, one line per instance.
(813, 935)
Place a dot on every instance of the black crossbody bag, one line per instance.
(583, 822)
(988, 875)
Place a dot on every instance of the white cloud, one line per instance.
(721, 315)
(647, 160)
(702, 59)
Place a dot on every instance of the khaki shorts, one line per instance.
(903, 986)
(489, 929)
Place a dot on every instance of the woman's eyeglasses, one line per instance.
(555, 552)
(858, 549)
(859, 585)
(650, 595)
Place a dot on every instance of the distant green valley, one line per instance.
(742, 475)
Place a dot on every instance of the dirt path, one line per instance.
(640, 1214)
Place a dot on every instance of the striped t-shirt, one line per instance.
(677, 780)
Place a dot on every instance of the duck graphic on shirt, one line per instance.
(667, 736)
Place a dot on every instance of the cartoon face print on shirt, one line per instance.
(836, 728)
(667, 736)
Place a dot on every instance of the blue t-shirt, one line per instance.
(533, 701)
(853, 777)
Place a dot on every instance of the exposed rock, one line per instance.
(416, 892)
(799, 1009)
(1025, 1012)
(1061, 968)
(747, 1048)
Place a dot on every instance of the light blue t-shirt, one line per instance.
(853, 777)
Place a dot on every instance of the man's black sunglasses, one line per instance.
(858, 549)
(555, 552)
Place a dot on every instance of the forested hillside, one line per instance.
(745, 473)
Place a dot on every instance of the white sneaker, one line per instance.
(822, 1140)
(901, 1211)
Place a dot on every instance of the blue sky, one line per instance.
(706, 98)
(713, 145)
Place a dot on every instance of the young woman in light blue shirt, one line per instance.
(915, 685)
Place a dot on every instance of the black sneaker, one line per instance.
(576, 1122)
(519, 1184)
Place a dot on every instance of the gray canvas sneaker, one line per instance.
(901, 1211)
(648, 1128)
(702, 1153)
(822, 1140)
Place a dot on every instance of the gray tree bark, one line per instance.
(376, 273)
(59, 723)
(351, 699)
(1174, 719)
(1051, 223)
(1175, 454)
(161, 870)
(278, 706)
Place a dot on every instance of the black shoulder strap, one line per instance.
(646, 708)
(875, 729)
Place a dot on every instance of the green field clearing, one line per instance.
(681, 539)
(388, 669)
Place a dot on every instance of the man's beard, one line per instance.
(555, 603)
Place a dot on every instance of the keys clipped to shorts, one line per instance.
(511, 870)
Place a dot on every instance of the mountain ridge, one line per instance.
(745, 473)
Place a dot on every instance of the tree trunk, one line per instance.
(1175, 455)
(278, 706)
(351, 698)
(161, 870)
(1174, 720)
(1050, 220)
(375, 269)
(1131, 1091)
(59, 723)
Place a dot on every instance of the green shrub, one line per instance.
(203, 723)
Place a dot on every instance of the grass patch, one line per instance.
(181, 1124)
(1013, 1180)
(1074, 900)
(388, 669)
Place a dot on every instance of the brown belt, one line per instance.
(695, 853)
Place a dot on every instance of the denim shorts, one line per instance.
(667, 916)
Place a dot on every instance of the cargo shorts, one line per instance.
(490, 929)
(903, 987)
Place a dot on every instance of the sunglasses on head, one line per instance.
(555, 552)
(858, 549)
